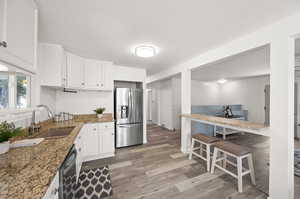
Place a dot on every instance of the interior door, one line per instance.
(75, 71)
(149, 106)
(92, 74)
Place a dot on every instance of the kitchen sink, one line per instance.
(56, 132)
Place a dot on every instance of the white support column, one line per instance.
(185, 109)
(282, 118)
(145, 112)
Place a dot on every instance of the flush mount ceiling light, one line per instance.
(222, 81)
(145, 50)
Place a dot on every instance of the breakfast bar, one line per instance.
(238, 125)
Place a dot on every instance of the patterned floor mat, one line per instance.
(94, 184)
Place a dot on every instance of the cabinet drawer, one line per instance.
(106, 125)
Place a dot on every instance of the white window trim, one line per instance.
(12, 94)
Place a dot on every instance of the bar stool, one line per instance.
(238, 152)
(205, 140)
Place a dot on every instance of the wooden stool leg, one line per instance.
(225, 161)
(251, 167)
(208, 157)
(214, 160)
(240, 177)
(201, 149)
(192, 147)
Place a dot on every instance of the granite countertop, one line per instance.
(26, 172)
(226, 121)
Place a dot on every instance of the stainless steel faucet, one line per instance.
(34, 126)
(50, 114)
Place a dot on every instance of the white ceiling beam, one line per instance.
(251, 41)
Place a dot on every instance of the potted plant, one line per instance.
(7, 130)
(99, 112)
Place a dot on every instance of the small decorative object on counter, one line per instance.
(7, 130)
(99, 112)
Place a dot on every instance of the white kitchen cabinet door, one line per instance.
(52, 64)
(107, 77)
(80, 151)
(107, 141)
(91, 140)
(3, 4)
(92, 74)
(21, 30)
(75, 71)
(52, 191)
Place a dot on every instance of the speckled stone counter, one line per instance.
(229, 122)
(26, 172)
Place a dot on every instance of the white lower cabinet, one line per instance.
(94, 141)
(99, 141)
(52, 191)
(107, 139)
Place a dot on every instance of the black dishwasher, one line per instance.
(67, 175)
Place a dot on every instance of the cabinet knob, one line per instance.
(94, 129)
(101, 84)
(79, 149)
(82, 83)
(4, 44)
(79, 137)
(97, 84)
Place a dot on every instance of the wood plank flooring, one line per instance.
(159, 170)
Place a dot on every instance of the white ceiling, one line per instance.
(251, 63)
(182, 29)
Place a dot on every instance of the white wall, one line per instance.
(83, 102)
(250, 93)
(204, 93)
(166, 103)
(247, 91)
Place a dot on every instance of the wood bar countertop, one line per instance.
(228, 123)
(26, 172)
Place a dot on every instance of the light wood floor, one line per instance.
(159, 170)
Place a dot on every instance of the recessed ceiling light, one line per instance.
(222, 81)
(145, 50)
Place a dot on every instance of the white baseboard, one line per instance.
(99, 156)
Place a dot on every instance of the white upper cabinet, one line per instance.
(92, 74)
(75, 71)
(107, 76)
(19, 31)
(2, 20)
(52, 65)
(59, 68)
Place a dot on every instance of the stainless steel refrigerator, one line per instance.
(129, 116)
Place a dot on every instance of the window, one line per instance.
(4, 91)
(22, 87)
(14, 90)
